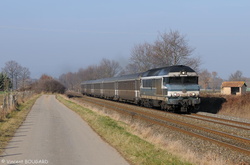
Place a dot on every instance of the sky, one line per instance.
(59, 36)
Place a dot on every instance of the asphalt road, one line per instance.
(53, 134)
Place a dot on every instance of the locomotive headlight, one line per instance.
(176, 94)
(193, 94)
(183, 72)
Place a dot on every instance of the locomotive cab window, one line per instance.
(190, 80)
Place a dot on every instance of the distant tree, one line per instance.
(91, 73)
(108, 68)
(24, 77)
(70, 80)
(237, 76)
(141, 58)
(48, 84)
(172, 49)
(18, 75)
(205, 78)
(215, 81)
(12, 69)
(5, 82)
(45, 77)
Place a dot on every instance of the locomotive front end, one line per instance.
(182, 90)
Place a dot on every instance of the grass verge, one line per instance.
(12, 122)
(132, 147)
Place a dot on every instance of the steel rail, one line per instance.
(225, 120)
(213, 121)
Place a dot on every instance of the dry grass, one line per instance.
(177, 147)
(238, 106)
(232, 105)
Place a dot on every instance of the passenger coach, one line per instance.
(173, 88)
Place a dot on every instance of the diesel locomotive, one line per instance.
(174, 88)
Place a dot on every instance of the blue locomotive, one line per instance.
(174, 88)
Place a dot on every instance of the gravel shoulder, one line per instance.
(53, 134)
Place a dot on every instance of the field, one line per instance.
(236, 106)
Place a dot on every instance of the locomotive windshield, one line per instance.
(181, 80)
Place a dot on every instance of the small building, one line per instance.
(233, 88)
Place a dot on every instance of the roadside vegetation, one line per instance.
(118, 134)
(231, 105)
(13, 120)
(47, 84)
(237, 106)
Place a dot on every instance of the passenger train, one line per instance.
(174, 88)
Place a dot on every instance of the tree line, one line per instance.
(16, 77)
(168, 49)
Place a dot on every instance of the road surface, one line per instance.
(53, 134)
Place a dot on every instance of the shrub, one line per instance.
(49, 85)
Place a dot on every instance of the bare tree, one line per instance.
(172, 49)
(205, 78)
(108, 68)
(169, 49)
(70, 81)
(47, 84)
(237, 76)
(24, 77)
(12, 69)
(141, 58)
(216, 81)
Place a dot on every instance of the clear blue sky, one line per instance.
(58, 36)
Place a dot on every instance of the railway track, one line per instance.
(174, 121)
(216, 119)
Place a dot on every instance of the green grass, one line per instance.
(133, 148)
(11, 123)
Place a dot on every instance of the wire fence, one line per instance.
(9, 101)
